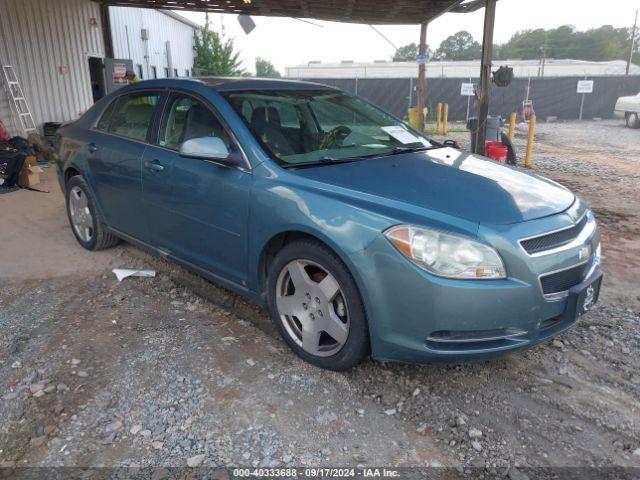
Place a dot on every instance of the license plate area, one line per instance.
(583, 297)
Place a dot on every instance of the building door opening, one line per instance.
(96, 74)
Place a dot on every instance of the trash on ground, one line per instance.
(123, 273)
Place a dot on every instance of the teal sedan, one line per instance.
(359, 234)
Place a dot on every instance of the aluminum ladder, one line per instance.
(20, 105)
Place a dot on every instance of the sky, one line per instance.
(288, 42)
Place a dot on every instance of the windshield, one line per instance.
(312, 126)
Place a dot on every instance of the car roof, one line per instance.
(228, 84)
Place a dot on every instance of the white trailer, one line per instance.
(630, 108)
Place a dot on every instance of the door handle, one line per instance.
(92, 147)
(154, 166)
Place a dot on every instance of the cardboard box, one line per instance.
(30, 173)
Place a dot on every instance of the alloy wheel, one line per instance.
(80, 214)
(312, 307)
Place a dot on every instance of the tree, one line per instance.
(406, 53)
(265, 69)
(597, 44)
(460, 46)
(214, 54)
(409, 53)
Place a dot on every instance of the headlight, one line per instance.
(445, 254)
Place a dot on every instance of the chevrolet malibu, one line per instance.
(359, 234)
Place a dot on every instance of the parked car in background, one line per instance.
(359, 234)
(630, 108)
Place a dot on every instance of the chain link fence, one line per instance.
(552, 96)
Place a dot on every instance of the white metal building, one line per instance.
(49, 43)
(54, 46)
(457, 69)
(159, 42)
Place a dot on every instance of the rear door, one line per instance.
(203, 217)
(115, 158)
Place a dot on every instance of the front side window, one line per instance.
(185, 118)
(133, 114)
(312, 126)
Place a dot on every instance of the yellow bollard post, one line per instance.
(414, 120)
(532, 129)
(438, 117)
(512, 126)
(445, 123)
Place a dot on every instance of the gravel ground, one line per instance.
(172, 371)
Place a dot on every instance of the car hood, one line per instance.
(452, 182)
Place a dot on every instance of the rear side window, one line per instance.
(133, 114)
(103, 123)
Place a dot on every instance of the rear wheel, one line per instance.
(83, 217)
(633, 121)
(316, 306)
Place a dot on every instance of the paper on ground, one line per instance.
(122, 273)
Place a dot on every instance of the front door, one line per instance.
(199, 208)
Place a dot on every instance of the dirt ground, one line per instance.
(173, 371)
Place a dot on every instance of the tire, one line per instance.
(633, 121)
(83, 216)
(511, 151)
(343, 311)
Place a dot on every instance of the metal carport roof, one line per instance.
(398, 12)
(353, 11)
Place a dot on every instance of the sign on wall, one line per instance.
(585, 86)
(467, 89)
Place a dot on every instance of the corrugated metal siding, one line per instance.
(37, 37)
(126, 27)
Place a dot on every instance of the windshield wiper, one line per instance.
(326, 160)
(421, 148)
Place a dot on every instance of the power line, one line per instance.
(383, 36)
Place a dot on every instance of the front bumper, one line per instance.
(417, 317)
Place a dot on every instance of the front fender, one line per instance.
(278, 207)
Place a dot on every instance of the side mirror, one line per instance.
(207, 148)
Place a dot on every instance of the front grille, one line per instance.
(553, 240)
(562, 281)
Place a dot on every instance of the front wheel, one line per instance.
(633, 121)
(316, 306)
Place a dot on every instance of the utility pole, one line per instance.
(485, 75)
(422, 50)
(543, 56)
(633, 41)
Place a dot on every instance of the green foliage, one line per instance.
(265, 69)
(597, 44)
(460, 46)
(215, 55)
(408, 53)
